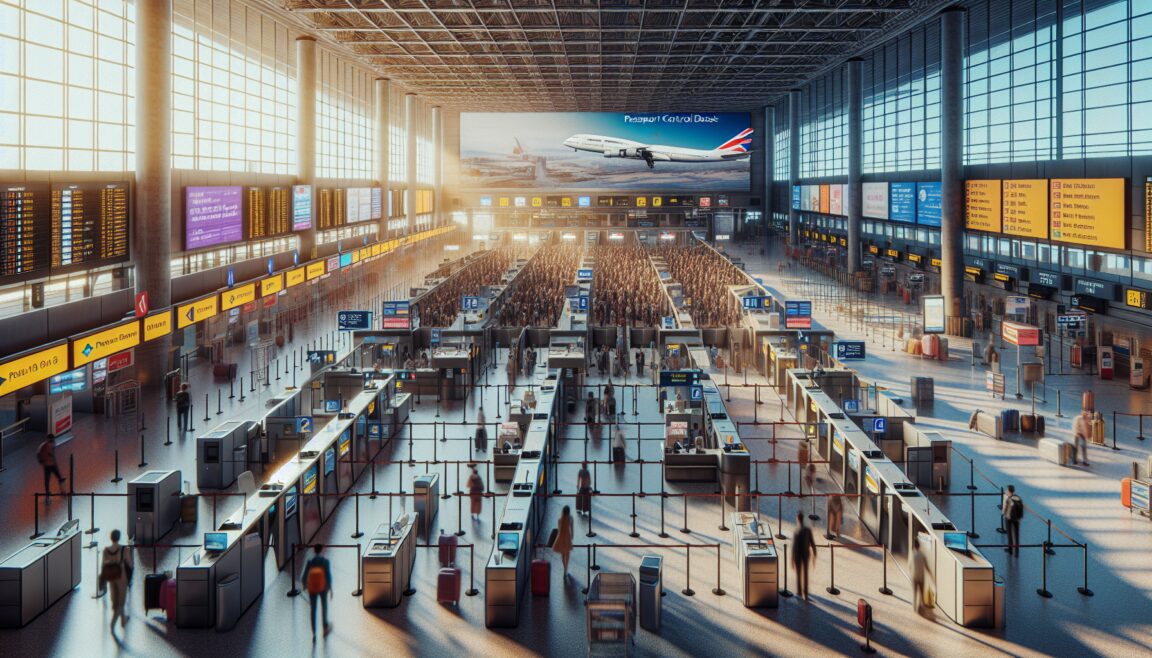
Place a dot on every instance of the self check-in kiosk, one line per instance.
(153, 505)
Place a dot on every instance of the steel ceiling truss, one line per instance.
(579, 55)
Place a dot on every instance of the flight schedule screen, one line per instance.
(89, 224)
(25, 244)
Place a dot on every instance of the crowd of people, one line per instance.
(537, 294)
(625, 288)
(705, 276)
(440, 307)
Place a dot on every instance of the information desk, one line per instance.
(388, 562)
(756, 560)
(38, 575)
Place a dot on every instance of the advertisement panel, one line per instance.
(933, 314)
(875, 200)
(928, 204)
(902, 202)
(796, 199)
(982, 205)
(1025, 208)
(836, 200)
(703, 151)
(825, 198)
(212, 216)
(301, 207)
(813, 201)
(1088, 211)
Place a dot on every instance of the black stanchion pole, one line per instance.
(1084, 590)
(663, 533)
(1043, 591)
(168, 431)
(241, 388)
(191, 416)
(1048, 542)
(294, 591)
(591, 532)
(685, 529)
(116, 462)
(36, 515)
(472, 591)
(459, 515)
(723, 527)
(832, 589)
(231, 388)
(357, 534)
(718, 591)
(92, 530)
(972, 510)
(884, 557)
(634, 534)
(359, 572)
(143, 462)
(687, 591)
(206, 407)
(780, 517)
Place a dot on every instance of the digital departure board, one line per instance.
(25, 241)
(255, 212)
(1088, 211)
(279, 211)
(89, 224)
(1148, 214)
(982, 205)
(324, 209)
(1024, 205)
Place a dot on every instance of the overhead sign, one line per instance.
(141, 303)
(1020, 334)
(982, 205)
(435, 338)
(1137, 298)
(850, 350)
(354, 320)
(850, 407)
(120, 361)
(1024, 205)
(295, 277)
(469, 303)
(303, 424)
(24, 371)
(392, 309)
(1088, 211)
(669, 322)
(697, 393)
(87, 349)
(797, 315)
(754, 302)
(679, 377)
(879, 425)
(236, 297)
(933, 314)
(1071, 318)
(271, 285)
(875, 200)
(584, 273)
(197, 311)
(157, 325)
(315, 270)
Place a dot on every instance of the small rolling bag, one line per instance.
(448, 585)
(447, 546)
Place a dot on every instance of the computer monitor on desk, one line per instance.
(215, 542)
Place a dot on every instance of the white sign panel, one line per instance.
(933, 314)
(876, 200)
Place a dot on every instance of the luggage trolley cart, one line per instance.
(611, 613)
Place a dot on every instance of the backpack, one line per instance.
(110, 571)
(1015, 508)
(316, 582)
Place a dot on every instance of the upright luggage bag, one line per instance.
(447, 547)
(1039, 429)
(1055, 451)
(153, 583)
(168, 598)
(943, 352)
(1011, 420)
(541, 577)
(448, 585)
(1027, 423)
(930, 346)
(1088, 401)
(583, 500)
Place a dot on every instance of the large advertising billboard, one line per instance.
(573, 150)
(213, 216)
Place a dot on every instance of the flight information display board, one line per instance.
(1025, 208)
(279, 211)
(213, 216)
(1088, 211)
(255, 212)
(301, 207)
(982, 205)
(89, 224)
(25, 241)
(358, 205)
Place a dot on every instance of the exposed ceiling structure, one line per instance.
(580, 55)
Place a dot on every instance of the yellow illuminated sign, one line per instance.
(537, 202)
(1088, 211)
(657, 201)
(641, 202)
(238, 296)
(193, 312)
(315, 270)
(377, 248)
(915, 258)
(936, 262)
(982, 205)
(157, 325)
(566, 202)
(504, 201)
(36, 367)
(271, 285)
(1025, 208)
(294, 277)
(92, 347)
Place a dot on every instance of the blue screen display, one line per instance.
(928, 204)
(902, 202)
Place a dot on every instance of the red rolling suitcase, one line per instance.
(541, 577)
(168, 598)
(448, 586)
(447, 547)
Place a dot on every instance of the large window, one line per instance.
(782, 163)
(344, 120)
(233, 89)
(824, 126)
(397, 139)
(901, 113)
(67, 85)
(422, 123)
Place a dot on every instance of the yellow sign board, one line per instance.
(537, 202)
(315, 270)
(193, 312)
(377, 248)
(982, 205)
(1088, 211)
(1025, 208)
(36, 367)
(238, 296)
(641, 202)
(566, 202)
(157, 325)
(92, 347)
(504, 201)
(294, 277)
(271, 285)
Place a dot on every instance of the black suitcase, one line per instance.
(152, 585)
(481, 441)
(1039, 425)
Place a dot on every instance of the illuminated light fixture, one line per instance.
(519, 237)
(479, 237)
(615, 236)
(568, 236)
(451, 247)
(667, 236)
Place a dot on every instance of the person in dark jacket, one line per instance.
(803, 552)
(183, 408)
(318, 582)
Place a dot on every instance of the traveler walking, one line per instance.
(803, 552)
(46, 455)
(1013, 512)
(475, 491)
(318, 582)
(563, 544)
(583, 489)
(1081, 430)
(183, 408)
(116, 575)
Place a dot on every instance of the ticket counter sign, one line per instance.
(1088, 211)
(315, 270)
(797, 315)
(271, 285)
(850, 350)
(295, 277)
(1020, 334)
(92, 347)
(157, 325)
(1024, 205)
(982, 205)
(237, 297)
(31, 368)
(197, 311)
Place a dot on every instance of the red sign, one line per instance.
(803, 322)
(269, 301)
(1019, 334)
(142, 303)
(121, 361)
(396, 323)
(249, 307)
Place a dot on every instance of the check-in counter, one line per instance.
(756, 561)
(199, 575)
(388, 562)
(735, 474)
(396, 415)
(38, 575)
(504, 463)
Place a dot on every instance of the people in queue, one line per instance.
(537, 294)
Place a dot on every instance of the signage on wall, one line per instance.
(1050, 279)
(933, 314)
(928, 204)
(1020, 334)
(1088, 211)
(1136, 298)
(796, 198)
(902, 202)
(797, 315)
(875, 200)
(982, 205)
(1024, 206)
(1094, 288)
(850, 350)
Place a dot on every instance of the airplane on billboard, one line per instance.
(519, 162)
(615, 147)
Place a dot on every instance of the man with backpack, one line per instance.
(46, 455)
(318, 582)
(183, 409)
(1013, 512)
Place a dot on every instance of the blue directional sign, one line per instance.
(469, 303)
(394, 309)
(669, 322)
(354, 320)
(584, 273)
(754, 303)
(295, 257)
(271, 265)
(850, 350)
(435, 336)
(851, 406)
(303, 424)
(697, 393)
(583, 302)
(231, 278)
(879, 424)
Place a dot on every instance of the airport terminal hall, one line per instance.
(666, 328)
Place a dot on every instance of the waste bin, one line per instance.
(426, 487)
(228, 606)
(651, 586)
(998, 584)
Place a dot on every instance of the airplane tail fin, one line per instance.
(739, 143)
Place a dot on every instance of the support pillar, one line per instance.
(855, 161)
(152, 230)
(952, 30)
(437, 165)
(383, 152)
(769, 142)
(411, 123)
(794, 166)
(306, 133)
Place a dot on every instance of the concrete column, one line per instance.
(952, 165)
(437, 165)
(794, 160)
(769, 141)
(382, 150)
(306, 133)
(410, 126)
(855, 161)
(152, 228)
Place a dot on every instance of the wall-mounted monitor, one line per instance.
(213, 216)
